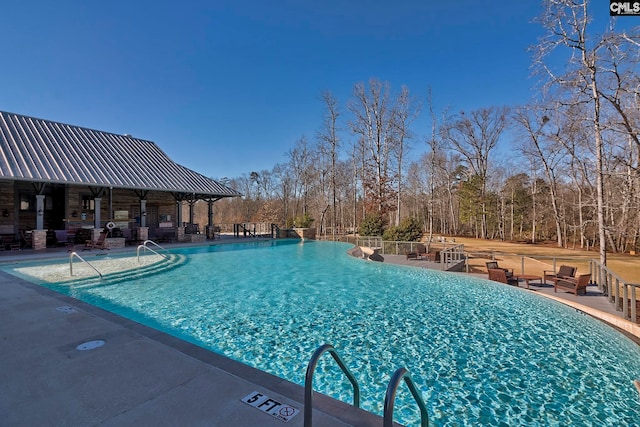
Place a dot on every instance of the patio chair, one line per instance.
(564, 272)
(493, 265)
(499, 275)
(101, 243)
(578, 285)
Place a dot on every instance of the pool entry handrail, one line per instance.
(390, 398)
(144, 245)
(308, 381)
(71, 255)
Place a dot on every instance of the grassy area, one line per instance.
(538, 257)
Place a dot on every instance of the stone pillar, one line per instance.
(96, 213)
(39, 239)
(40, 212)
(143, 216)
(95, 234)
(180, 234)
(143, 233)
(211, 232)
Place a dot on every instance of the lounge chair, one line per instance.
(493, 265)
(564, 272)
(101, 243)
(578, 285)
(499, 275)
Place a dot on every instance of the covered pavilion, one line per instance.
(61, 183)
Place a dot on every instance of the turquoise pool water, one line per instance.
(481, 353)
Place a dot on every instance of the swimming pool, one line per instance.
(481, 353)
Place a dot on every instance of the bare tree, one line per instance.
(474, 136)
(372, 124)
(402, 115)
(329, 145)
(581, 78)
(549, 153)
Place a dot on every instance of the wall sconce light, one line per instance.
(144, 213)
(5, 213)
(40, 213)
(74, 214)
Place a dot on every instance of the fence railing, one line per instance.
(450, 254)
(623, 295)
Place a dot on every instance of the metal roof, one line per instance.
(40, 150)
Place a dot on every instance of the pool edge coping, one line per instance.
(328, 405)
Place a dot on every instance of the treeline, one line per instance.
(564, 167)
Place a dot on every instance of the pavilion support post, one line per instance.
(192, 203)
(40, 211)
(179, 213)
(143, 213)
(179, 224)
(96, 216)
(210, 230)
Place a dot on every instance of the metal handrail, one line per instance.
(71, 255)
(308, 381)
(144, 245)
(390, 398)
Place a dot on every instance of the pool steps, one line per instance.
(390, 396)
(169, 263)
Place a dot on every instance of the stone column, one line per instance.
(95, 234)
(39, 239)
(143, 233)
(40, 212)
(180, 234)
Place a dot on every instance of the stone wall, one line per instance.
(305, 233)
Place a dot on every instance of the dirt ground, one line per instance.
(535, 258)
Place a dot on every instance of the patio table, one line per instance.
(527, 278)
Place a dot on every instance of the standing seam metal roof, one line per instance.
(44, 151)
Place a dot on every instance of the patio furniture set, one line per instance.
(565, 278)
(422, 252)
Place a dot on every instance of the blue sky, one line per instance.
(228, 87)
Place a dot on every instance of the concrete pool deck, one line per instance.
(141, 376)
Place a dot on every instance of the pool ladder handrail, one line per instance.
(144, 245)
(308, 381)
(71, 255)
(390, 397)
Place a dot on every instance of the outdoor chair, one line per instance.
(101, 243)
(499, 275)
(578, 286)
(564, 272)
(493, 265)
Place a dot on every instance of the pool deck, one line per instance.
(144, 377)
